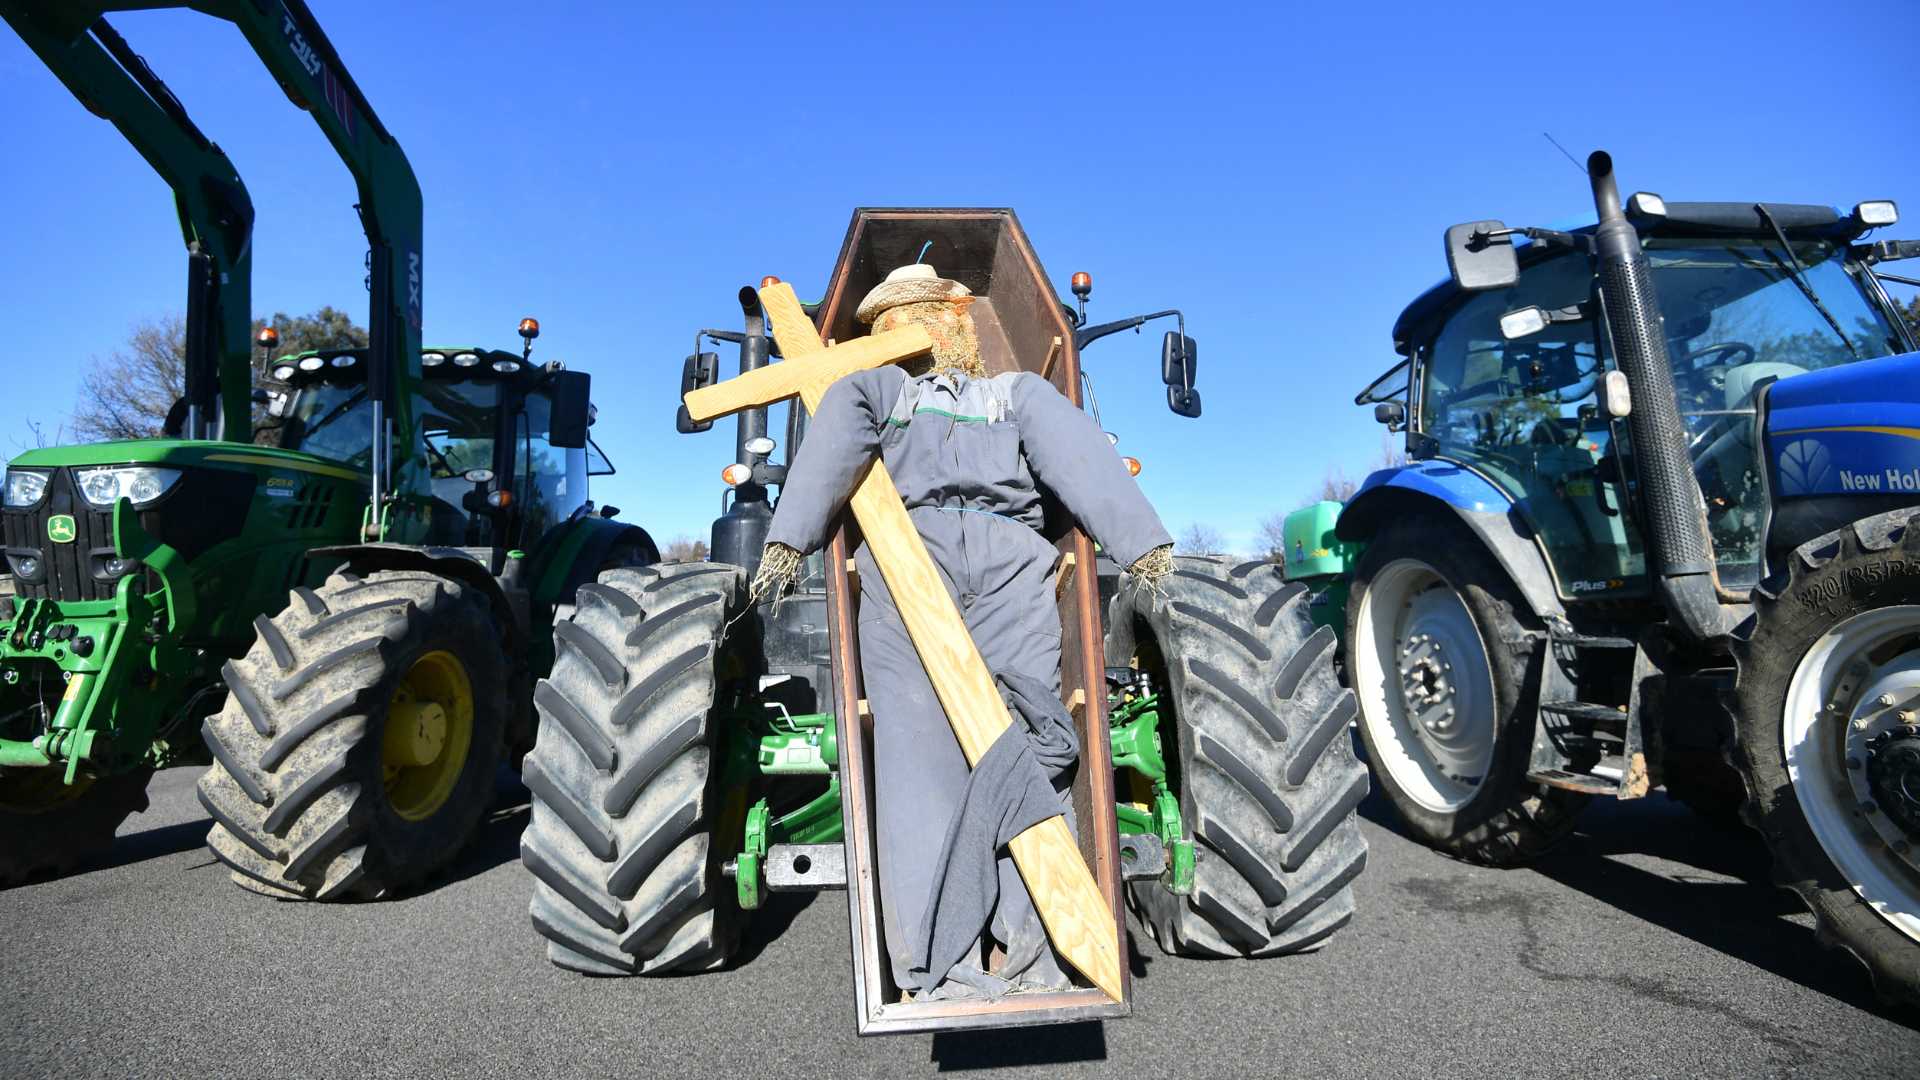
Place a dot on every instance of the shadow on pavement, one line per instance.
(963, 1051)
(126, 850)
(1749, 919)
(151, 844)
(495, 841)
(776, 913)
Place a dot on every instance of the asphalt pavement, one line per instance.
(1649, 945)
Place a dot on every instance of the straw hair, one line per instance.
(1153, 568)
(956, 345)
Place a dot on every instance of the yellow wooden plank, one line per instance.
(789, 322)
(778, 381)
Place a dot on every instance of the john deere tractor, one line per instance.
(1658, 526)
(342, 608)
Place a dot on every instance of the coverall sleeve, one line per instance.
(843, 436)
(1067, 453)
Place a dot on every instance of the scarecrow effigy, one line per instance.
(969, 453)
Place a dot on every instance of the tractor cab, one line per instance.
(506, 451)
(1518, 385)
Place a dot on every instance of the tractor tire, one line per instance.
(1266, 775)
(1428, 578)
(48, 828)
(627, 555)
(624, 776)
(1832, 767)
(358, 744)
(631, 554)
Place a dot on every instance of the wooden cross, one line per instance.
(1078, 920)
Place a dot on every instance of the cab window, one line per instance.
(1524, 415)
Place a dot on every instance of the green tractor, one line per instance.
(1658, 526)
(342, 608)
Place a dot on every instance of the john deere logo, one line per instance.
(60, 528)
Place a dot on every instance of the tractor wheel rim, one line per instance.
(429, 730)
(1425, 685)
(1851, 706)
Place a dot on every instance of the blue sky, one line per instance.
(620, 170)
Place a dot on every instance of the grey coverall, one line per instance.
(969, 457)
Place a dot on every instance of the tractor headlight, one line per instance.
(141, 483)
(24, 487)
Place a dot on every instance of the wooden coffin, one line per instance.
(1021, 325)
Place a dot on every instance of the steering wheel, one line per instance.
(1736, 353)
(1692, 376)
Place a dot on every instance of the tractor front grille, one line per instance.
(203, 508)
(64, 571)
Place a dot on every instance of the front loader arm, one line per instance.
(297, 52)
(289, 41)
(216, 214)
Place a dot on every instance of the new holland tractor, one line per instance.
(344, 610)
(1657, 526)
(695, 754)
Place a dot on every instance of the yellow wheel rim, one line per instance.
(429, 731)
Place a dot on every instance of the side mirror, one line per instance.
(700, 369)
(572, 411)
(1391, 413)
(1184, 402)
(1479, 260)
(175, 425)
(1179, 360)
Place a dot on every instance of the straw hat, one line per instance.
(915, 284)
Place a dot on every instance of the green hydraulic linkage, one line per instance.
(95, 652)
(1134, 724)
(805, 745)
(73, 38)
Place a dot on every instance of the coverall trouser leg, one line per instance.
(999, 574)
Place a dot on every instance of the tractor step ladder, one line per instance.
(1590, 747)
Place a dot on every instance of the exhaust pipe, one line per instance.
(1681, 546)
(740, 534)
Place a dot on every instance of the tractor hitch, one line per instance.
(1153, 841)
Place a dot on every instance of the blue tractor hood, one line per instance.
(1847, 430)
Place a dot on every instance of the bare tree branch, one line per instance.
(1201, 539)
(685, 549)
(127, 394)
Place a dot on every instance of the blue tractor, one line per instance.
(1659, 524)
